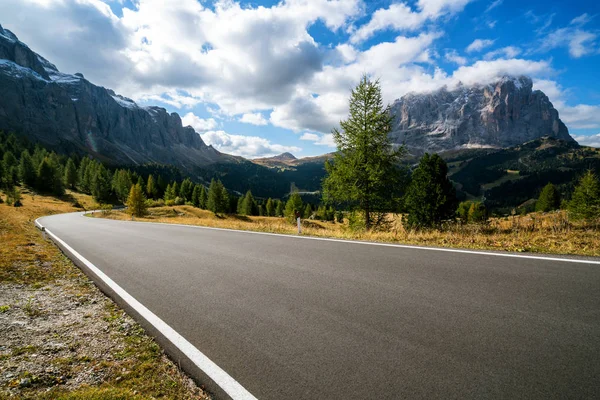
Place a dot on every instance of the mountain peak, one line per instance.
(502, 113)
(285, 157)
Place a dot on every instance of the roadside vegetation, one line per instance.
(60, 337)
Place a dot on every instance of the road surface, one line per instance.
(292, 318)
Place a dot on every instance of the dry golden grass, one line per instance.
(28, 263)
(539, 233)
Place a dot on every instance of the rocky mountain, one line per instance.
(70, 113)
(498, 115)
(289, 161)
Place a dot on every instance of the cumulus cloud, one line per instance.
(199, 124)
(479, 44)
(588, 140)
(575, 38)
(454, 57)
(505, 52)
(254, 119)
(245, 146)
(400, 16)
(319, 140)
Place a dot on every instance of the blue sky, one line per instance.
(261, 77)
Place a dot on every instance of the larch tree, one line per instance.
(364, 174)
(585, 202)
(270, 207)
(549, 199)
(136, 201)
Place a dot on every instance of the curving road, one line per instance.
(293, 318)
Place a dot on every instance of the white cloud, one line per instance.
(479, 44)
(254, 119)
(588, 140)
(581, 20)
(245, 146)
(578, 41)
(454, 57)
(199, 124)
(400, 16)
(505, 52)
(320, 140)
(493, 5)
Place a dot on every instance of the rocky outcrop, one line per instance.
(67, 111)
(503, 114)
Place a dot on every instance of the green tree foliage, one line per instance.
(186, 190)
(151, 189)
(462, 212)
(101, 185)
(364, 174)
(49, 178)
(308, 211)
(430, 198)
(70, 177)
(585, 202)
(549, 199)
(169, 193)
(121, 184)
(248, 206)
(270, 207)
(196, 196)
(27, 172)
(293, 204)
(136, 201)
(477, 213)
(339, 217)
(203, 200)
(10, 168)
(218, 201)
(279, 209)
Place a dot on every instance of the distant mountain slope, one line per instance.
(509, 177)
(68, 112)
(289, 161)
(499, 115)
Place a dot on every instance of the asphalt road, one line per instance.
(291, 318)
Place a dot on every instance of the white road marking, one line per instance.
(212, 370)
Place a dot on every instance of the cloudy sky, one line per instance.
(259, 78)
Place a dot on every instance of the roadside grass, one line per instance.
(550, 233)
(61, 337)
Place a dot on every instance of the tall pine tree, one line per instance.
(585, 202)
(549, 199)
(364, 174)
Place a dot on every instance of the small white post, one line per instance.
(299, 226)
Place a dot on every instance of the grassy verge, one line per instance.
(548, 233)
(60, 337)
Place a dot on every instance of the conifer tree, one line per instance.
(549, 199)
(248, 204)
(136, 201)
(585, 202)
(151, 191)
(279, 210)
(293, 204)
(70, 178)
(27, 172)
(175, 190)
(203, 198)
(169, 195)
(218, 200)
(101, 184)
(240, 205)
(307, 211)
(477, 212)
(364, 173)
(185, 192)
(196, 196)
(10, 168)
(430, 198)
(270, 207)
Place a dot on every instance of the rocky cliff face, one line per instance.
(68, 111)
(502, 114)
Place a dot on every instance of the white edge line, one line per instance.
(212, 370)
(403, 246)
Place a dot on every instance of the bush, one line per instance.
(339, 217)
(356, 221)
(155, 203)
